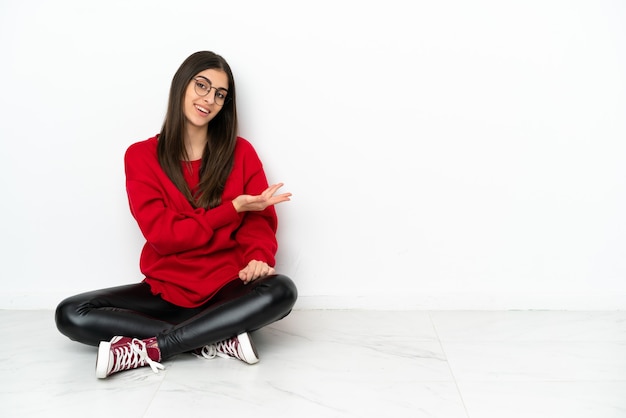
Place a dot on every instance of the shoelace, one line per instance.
(229, 348)
(134, 355)
(223, 349)
(209, 352)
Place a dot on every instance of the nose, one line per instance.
(210, 97)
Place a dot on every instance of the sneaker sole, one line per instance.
(247, 348)
(102, 361)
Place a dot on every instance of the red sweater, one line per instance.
(191, 253)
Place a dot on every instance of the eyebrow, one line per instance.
(211, 83)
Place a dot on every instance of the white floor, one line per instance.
(341, 364)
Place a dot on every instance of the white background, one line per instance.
(442, 155)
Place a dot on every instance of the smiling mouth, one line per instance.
(202, 109)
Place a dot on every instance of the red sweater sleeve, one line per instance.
(257, 233)
(167, 220)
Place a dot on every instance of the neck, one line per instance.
(195, 141)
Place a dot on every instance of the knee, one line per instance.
(280, 289)
(67, 317)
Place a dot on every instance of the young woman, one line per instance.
(202, 201)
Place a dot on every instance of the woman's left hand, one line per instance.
(254, 270)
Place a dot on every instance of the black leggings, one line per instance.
(133, 311)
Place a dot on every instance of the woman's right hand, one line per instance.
(248, 203)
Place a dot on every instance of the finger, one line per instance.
(281, 196)
(248, 274)
(285, 197)
(258, 270)
(261, 269)
(273, 189)
(268, 270)
(276, 186)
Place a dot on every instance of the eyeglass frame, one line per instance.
(208, 90)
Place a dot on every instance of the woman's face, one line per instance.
(205, 96)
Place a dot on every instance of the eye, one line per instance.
(221, 94)
(201, 85)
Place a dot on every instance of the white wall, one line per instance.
(442, 155)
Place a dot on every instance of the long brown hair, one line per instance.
(217, 160)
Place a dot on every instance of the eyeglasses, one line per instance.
(203, 87)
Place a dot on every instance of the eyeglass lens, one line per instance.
(203, 87)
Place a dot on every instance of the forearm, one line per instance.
(170, 231)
